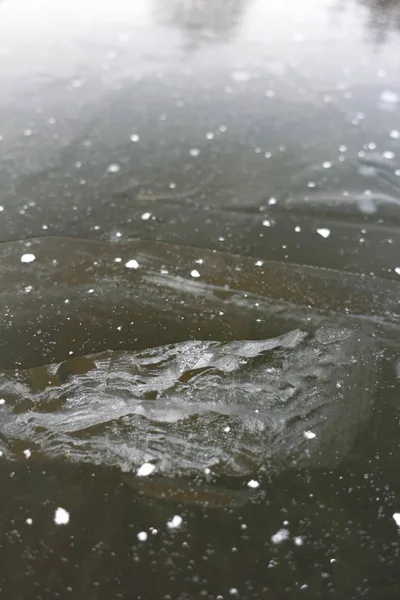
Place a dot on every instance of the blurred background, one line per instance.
(199, 113)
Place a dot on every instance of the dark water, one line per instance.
(153, 133)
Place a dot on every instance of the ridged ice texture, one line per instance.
(235, 408)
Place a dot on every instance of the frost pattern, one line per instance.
(233, 408)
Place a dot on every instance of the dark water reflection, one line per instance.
(201, 17)
(267, 130)
(383, 18)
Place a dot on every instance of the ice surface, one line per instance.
(77, 294)
(249, 369)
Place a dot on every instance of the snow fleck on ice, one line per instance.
(388, 154)
(240, 76)
(145, 470)
(28, 258)
(233, 591)
(27, 453)
(175, 522)
(28, 521)
(323, 232)
(396, 517)
(132, 264)
(298, 541)
(194, 152)
(280, 536)
(397, 270)
(195, 273)
(389, 97)
(146, 216)
(61, 516)
(266, 223)
(310, 435)
(253, 484)
(142, 536)
(114, 168)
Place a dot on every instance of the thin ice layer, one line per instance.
(235, 408)
(79, 297)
